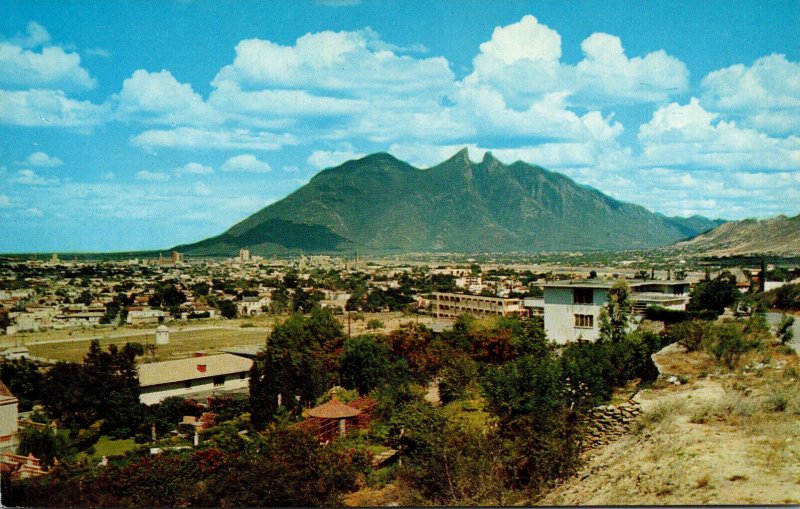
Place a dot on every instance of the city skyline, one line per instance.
(142, 125)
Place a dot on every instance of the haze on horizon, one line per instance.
(143, 125)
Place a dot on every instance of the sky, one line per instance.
(144, 124)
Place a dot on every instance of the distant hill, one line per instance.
(379, 204)
(777, 236)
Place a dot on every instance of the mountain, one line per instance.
(379, 204)
(777, 236)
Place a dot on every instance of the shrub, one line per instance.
(455, 377)
(374, 324)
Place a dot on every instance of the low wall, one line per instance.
(609, 422)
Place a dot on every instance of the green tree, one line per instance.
(45, 444)
(715, 294)
(457, 375)
(365, 363)
(614, 316)
(227, 308)
(785, 332)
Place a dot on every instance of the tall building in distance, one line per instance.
(177, 257)
(244, 255)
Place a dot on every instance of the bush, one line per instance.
(690, 335)
(458, 373)
(728, 342)
(374, 324)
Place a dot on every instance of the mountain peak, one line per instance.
(379, 204)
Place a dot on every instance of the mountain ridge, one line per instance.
(381, 204)
(778, 235)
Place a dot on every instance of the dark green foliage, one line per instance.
(167, 296)
(45, 444)
(381, 204)
(785, 332)
(105, 386)
(301, 359)
(458, 373)
(365, 364)
(729, 340)
(715, 294)
(169, 412)
(24, 380)
(227, 309)
(285, 467)
(673, 316)
(786, 297)
(690, 334)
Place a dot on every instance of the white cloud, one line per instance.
(522, 62)
(43, 160)
(765, 95)
(31, 178)
(47, 108)
(202, 190)
(52, 68)
(152, 176)
(159, 97)
(210, 139)
(33, 212)
(5, 202)
(344, 59)
(35, 35)
(689, 135)
(98, 52)
(329, 158)
(246, 163)
(608, 75)
(195, 169)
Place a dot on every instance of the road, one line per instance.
(775, 318)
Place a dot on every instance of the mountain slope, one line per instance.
(380, 204)
(777, 236)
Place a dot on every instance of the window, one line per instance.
(219, 380)
(584, 321)
(582, 296)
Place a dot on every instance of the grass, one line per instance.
(109, 447)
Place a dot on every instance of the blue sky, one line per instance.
(144, 124)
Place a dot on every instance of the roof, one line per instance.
(609, 283)
(5, 393)
(180, 370)
(162, 328)
(333, 409)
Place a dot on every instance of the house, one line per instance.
(193, 376)
(572, 308)
(144, 314)
(9, 417)
(452, 305)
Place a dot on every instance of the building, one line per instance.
(572, 308)
(193, 376)
(144, 314)
(176, 257)
(452, 305)
(9, 417)
(244, 255)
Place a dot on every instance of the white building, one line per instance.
(144, 314)
(8, 419)
(572, 308)
(193, 376)
(452, 305)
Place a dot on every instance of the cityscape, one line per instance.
(371, 253)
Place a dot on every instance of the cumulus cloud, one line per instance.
(35, 35)
(246, 163)
(690, 135)
(152, 176)
(31, 178)
(52, 67)
(43, 160)
(195, 169)
(159, 97)
(522, 62)
(765, 95)
(47, 108)
(208, 139)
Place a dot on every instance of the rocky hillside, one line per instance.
(777, 236)
(380, 204)
(705, 436)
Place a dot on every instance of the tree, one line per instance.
(614, 316)
(785, 331)
(458, 373)
(365, 363)
(715, 294)
(227, 309)
(44, 444)
(24, 380)
(300, 360)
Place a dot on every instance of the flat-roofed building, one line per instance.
(453, 305)
(193, 376)
(9, 414)
(572, 308)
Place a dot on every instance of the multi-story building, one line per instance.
(572, 308)
(452, 305)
